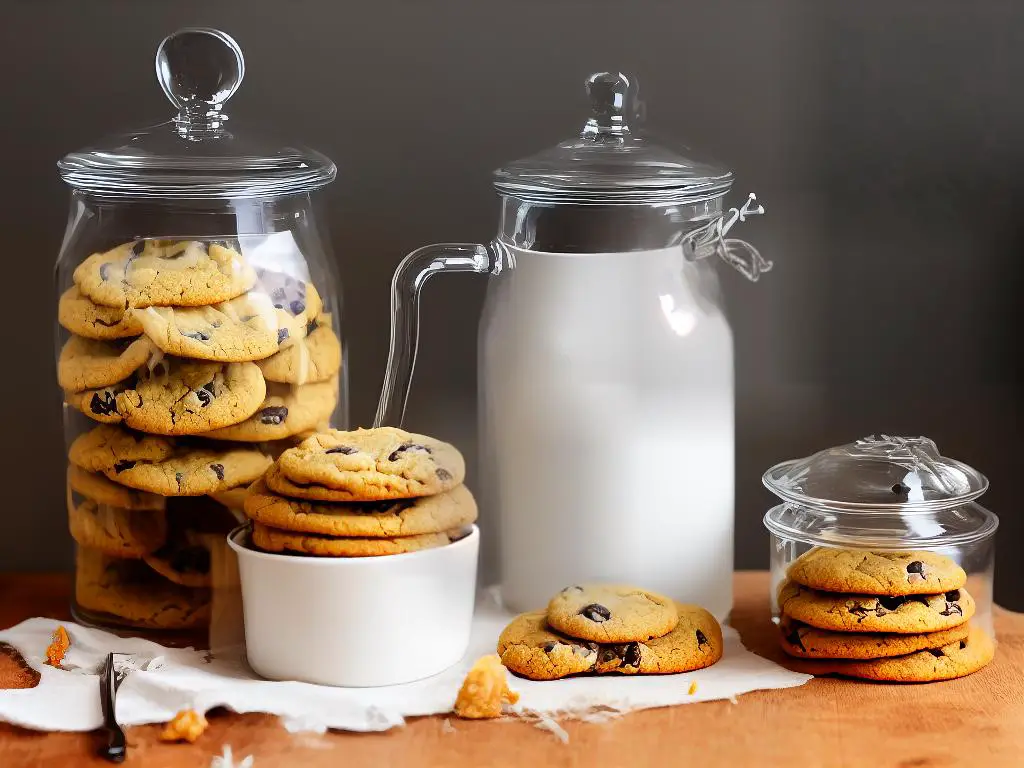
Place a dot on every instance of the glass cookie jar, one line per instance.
(198, 336)
(888, 532)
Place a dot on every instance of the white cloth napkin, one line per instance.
(168, 680)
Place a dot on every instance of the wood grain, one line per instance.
(975, 721)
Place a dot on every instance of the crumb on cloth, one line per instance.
(484, 690)
(188, 725)
(693, 688)
(59, 644)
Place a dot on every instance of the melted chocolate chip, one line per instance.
(936, 653)
(138, 247)
(793, 638)
(276, 414)
(218, 469)
(310, 327)
(180, 250)
(405, 447)
(282, 334)
(900, 489)
(121, 466)
(608, 654)
(443, 474)
(860, 612)
(347, 450)
(197, 335)
(297, 307)
(103, 406)
(963, 644)
(105, 271)
(549, 646)
(701, 639)
(891, 603)
(916, 567)
(953, 595)
(191, 560)
(952, 608)
(630, 653)
(205, 394)
(595, 612)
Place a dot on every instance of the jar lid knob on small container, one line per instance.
(612, 102)
(199, 69)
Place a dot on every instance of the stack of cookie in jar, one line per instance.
(877, 615)
(193, 369)
(363, 493)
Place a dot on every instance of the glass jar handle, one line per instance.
(409, 278)
(710, 240)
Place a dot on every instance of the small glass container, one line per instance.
(198, 335)
(908, 514)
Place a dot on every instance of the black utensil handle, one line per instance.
(117, 745)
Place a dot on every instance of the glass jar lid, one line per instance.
(609, 163)
(195, 156)
(879, 491)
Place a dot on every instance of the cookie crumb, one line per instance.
(188, 725)
(59, 644)
(484, 690)
(447, 727)
(693, 688)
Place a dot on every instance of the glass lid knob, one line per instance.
(199, 69)
(612, 97)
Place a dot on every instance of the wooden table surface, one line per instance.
(975, 721)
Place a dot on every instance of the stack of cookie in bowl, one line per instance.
(890, 616)
(359, 494)
(185, 372)
(606, 629)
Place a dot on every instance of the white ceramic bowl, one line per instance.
(357, 621)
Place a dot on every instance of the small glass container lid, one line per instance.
(880, 491)
(195, 156)
(609, 163)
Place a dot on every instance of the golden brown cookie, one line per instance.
(903, 614)
(371, 519)
(97, 487)
(317, 357)
(91, 364)
(115, 531)
(274, 540)
(287, 410)
(83, 317)
(865, 572)
(807, 642)
(608, 613)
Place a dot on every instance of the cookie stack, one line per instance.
(363, 493)
(606, 629)
(191, 370)
(896, 616)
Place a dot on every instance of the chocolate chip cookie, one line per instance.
(315, 358)
(372, 519)
(183, 398)
(275, 540)
(246, 328)
(83, 317)
(131, 593)
(529, 647)
(877, 572)
(184, 559)
(166, 466)
(608, 613)
(113, 530)
(165, 273)
(91, 364)
(368, 465)
(807, 642)
(902, 614)
(97, 487)
(286, 410)
(957, 659)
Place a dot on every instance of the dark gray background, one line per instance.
(885, 140)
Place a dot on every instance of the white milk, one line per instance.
(606, 397)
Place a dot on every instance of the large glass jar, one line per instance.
(881, 543)
(605, 363)
(198, 336)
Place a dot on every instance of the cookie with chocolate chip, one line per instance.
(91, 364)
(275, 540)
(287, 410)
(150, 273)
(97, 487)
(529, 647)
(372, 519)
(608, 613)
(315, 358)
(84, 317)
(368, 465)
(902, 614)
(957, 659)
(181, 397)
(115, 531)
(806, 642)
(166, 466)
(865, 572)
